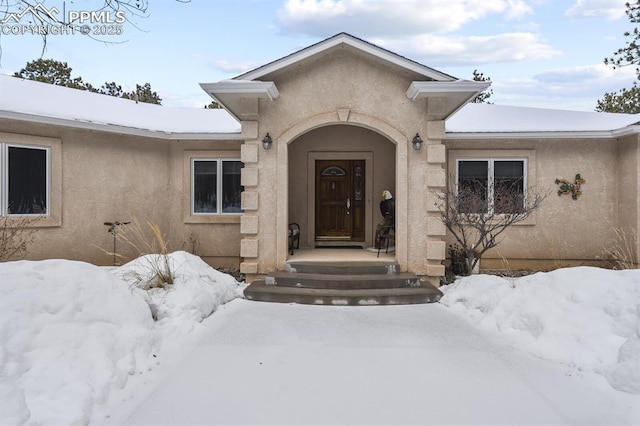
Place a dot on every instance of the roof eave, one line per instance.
(424, 89)
(114, 128)
(347, 39)
(252, 89)
(602, 134)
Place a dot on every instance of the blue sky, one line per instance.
(542, 53)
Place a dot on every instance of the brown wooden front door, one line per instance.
(340, 200)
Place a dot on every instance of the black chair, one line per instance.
(294, 237)
(385, 236)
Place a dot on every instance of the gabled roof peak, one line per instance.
(354, 42)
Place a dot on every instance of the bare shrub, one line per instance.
(16, 233)
(150, 246)
(622, 250)
(478, 212)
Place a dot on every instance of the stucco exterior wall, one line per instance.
(628, 201)
(564, 231)
(106, 177)
(341, 86)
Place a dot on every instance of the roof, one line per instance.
(50, 104)
(347, 40)
(232, 94)
(499, 121)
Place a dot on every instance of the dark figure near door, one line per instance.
(388, 211)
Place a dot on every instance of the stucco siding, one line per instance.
(628, 200)
(107, 177)
(564, 231)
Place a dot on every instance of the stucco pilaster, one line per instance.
(249, 176)
(249, 153)
(249, 224)
(249, 200)
(249, 267)
(436, 154)
(436, 181)
(249, 130)
(436, 250)
(249, 247)
(435, 227)
(436, 130)
(436, 177)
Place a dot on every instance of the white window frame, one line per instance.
(491, 177)
(4, 178)
(219, 182)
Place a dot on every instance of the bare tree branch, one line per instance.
(476, 221)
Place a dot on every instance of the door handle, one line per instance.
(348, 205)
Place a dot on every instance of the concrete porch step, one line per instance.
(259, 291)
(343, 268)
(342, 281)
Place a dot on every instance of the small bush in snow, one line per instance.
(155, 269)
(621, 253)
(16, 233)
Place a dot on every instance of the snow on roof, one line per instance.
(47, 103)
(488, 118)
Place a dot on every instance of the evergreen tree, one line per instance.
(483, 97)
(59, 73)
(144, 94)
(52, 72)
(111, 89)
(625, 100)
(213, 105)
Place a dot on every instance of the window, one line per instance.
(493, 186)
(24, 180)
(216, 186)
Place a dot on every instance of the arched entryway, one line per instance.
(336, 175)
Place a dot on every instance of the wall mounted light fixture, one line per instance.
(267, 141)
(417, 142)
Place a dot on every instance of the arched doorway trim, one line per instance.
(355, 119)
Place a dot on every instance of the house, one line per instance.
(312, 138)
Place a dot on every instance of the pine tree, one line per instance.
(483, 97)
(625, 100)
(59, 73)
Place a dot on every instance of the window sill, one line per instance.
(213, 218)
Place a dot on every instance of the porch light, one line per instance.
(417, 142)
(267, 141)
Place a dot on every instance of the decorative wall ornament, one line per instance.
(570, 188)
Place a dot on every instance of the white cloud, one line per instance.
(390, 17)
(518, 9)
(609, 9)
(576, 88)
(234, 67)
(473, 50)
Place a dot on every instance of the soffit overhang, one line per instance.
(445, 97)
(240, 97)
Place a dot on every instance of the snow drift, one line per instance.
(70, 332)
(586, 318)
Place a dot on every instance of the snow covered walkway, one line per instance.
(263, 363)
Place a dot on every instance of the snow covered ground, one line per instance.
(71, 332)
(78, 345)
